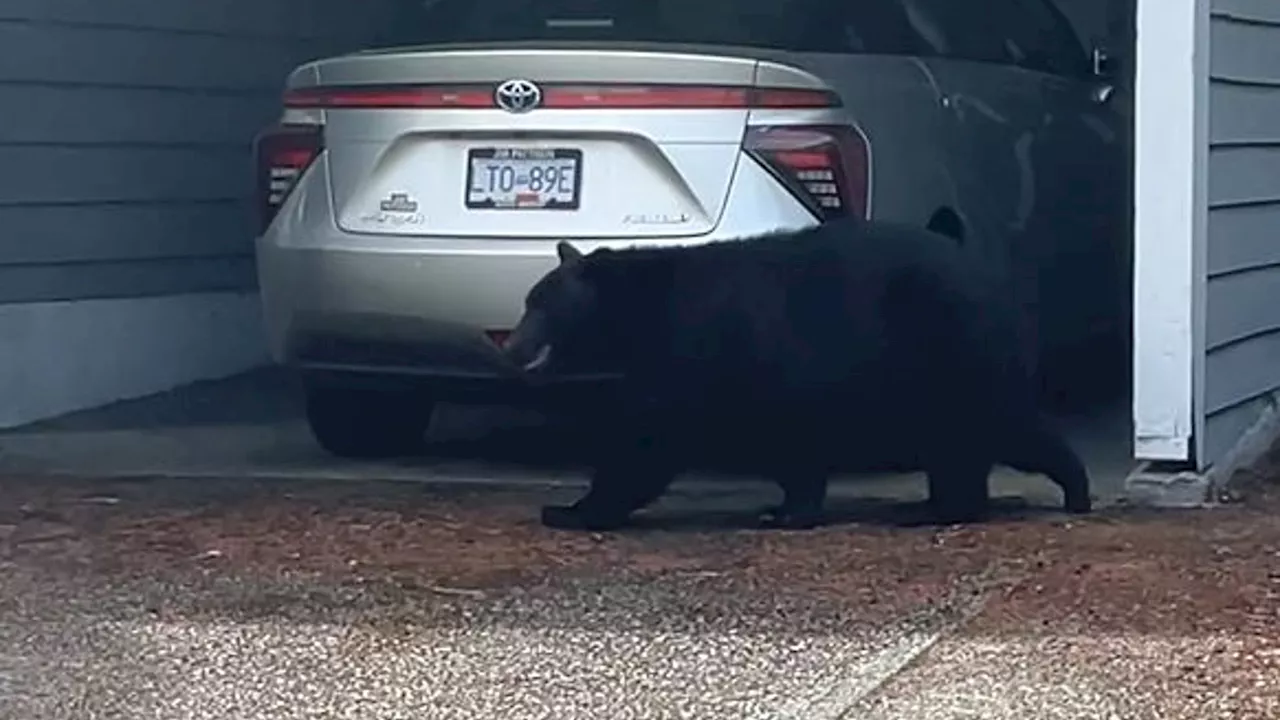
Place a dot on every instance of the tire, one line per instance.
(367, 424)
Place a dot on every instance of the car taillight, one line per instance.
(281, 154)
(827, 167)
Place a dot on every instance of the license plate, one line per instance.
(523, 178)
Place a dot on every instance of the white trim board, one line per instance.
(1170, 225)
(61, 357)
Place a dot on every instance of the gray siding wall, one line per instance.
(1242, 297)
(125, 128)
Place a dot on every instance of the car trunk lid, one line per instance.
(496, 141)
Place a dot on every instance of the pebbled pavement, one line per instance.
(218, 599)
(582, 650)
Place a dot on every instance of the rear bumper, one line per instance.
(564, 393)
(423, 312)
(415, 309)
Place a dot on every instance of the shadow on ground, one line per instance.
(251, 426)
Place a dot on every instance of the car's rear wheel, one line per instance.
(367, 424)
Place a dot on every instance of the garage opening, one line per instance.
(1065, 162)
(1093, 394)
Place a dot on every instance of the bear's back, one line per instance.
(813, 308)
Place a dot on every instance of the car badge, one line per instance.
(518, 96)
(400, 203)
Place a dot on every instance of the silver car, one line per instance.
(412, 193)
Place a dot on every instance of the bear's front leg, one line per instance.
(634, 474)
(804, 494)
(617, 490)
(958, 494)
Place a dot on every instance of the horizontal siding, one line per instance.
(1244, 371)
(1243, 47)
(38, 52)
(1243, 174)
(1242, 305)
(102, 174)
(124, 278)
(1247, 237)
(1242, 296)
(1228, 425)
(289, 19)
(124, 148)
(93, 115)
(1261, 11)
(120, 231)
(1243, 114)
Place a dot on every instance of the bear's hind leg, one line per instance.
(1037, 446)
(804, 494)
(958, 493)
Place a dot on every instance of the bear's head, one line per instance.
(561, 329)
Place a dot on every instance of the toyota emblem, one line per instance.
(518, 96)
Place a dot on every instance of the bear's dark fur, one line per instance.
(801, 345)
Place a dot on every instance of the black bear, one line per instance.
(800, 345)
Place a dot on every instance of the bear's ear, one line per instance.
(568, 253)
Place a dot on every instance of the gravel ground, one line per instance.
(204, 599)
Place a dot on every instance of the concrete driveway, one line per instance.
(206, 561)
(251, 426)
(167, 598)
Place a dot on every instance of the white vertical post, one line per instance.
(1170, 216)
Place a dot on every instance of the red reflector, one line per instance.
(784, 98)
(292, 157)
(375, 97)
(644, 96)
(800, 160)
(498, 337)
(611, 96)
